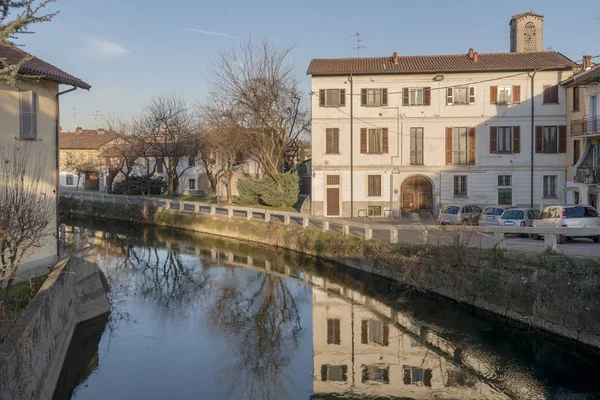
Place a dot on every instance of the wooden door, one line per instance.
(424, 201)
(408, 201)
(333, 201)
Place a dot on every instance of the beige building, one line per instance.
(583, 149)
(412, 133)
(30, 122)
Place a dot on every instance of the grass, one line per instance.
(19, 297)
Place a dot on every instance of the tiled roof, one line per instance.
(37, 67)
(87, 139)
(441, 63)
(589, 76)
(526, 14)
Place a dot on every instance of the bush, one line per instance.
(266, 191)
(139, 186)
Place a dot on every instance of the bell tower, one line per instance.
(526, 32)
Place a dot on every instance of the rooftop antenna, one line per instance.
(96, 116)
(359, 44)
(74, 117)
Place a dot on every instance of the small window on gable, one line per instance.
(28, 115)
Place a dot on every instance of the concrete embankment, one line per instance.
(32, 355)
(548, 291)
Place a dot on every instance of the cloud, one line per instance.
(105, 49)
(210, 33)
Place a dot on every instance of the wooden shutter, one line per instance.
(336, 140)
(516, 137)
(576, 98)
(384, 97)
(427, 375)
(493, 139)
(342, 97)
(384, 140)
(471, 94)
(365, 374)
(516, 97)
(324, 373)
(344, 373)
(539, 139)
(471, 146)
(322, 98)
(449, 146)
(562, 139)
(405, 97)
(386, 375)
(406, 377)
(449, 96)
(427, 96)
(337, 332)
(364, 331)
(363, 97)
(493, 94)
(386, 334)
(363, 140)
(330, 331)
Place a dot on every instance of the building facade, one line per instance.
(583, 149)
(29, 115)
(412, 133)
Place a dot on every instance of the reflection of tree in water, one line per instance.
(263, 321)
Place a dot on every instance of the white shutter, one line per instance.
(34, 107)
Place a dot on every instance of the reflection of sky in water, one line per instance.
(189, 327)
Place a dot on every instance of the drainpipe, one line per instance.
(57, 160)
(532, 76)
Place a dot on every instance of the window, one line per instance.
(374, 211)
(333, 179)
(460, 186)
(460, 146)
(375, 373)
(504, 95)
(191, 161)
(550, 139)
(375, 141)
(504, 139)
(374, 331)
(333, 331)
(192, 184)
(416, 96)
(576, 98)
(28, 116)
(576, 151)
(373, 97)
(416, 146)
(334, 373)
(374, 182)
(332, 98)
(160, 165)
(550, 94)
(505, 190)
(413, 375)
(460, 95)
(332, 141)
(550, 186)
(69, 179)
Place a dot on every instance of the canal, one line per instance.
(201, 317)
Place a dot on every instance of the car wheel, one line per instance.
(561, 239)
(535, 236)
(596, 239)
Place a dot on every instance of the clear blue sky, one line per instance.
(129, 50)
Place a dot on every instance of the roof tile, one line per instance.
(87, 139)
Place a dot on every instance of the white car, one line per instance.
(572, 216)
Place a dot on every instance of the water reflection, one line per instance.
(236, 321)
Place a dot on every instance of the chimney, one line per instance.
(100, 131)
(471, 53)
(395, 58)
(587, 62)
(476, 57)
(78, 129)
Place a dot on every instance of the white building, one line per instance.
(416, 132)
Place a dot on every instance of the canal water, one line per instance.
(201, 317)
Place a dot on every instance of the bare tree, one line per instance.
(25, 210)
(80, 163)
(260, 82)
(170, 129)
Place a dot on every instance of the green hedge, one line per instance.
(266, 191)
(139, 186)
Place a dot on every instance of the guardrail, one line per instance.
(385, 232)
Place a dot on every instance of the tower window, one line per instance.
(529, 37)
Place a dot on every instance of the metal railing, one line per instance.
(366, 230)
(588, 175)
(587, 126)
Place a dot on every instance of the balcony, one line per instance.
(588, 126)
(588, 175)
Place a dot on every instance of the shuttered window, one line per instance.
(460, 146)
(332, 137)
(416, 146)
(374, 97)
(505, 139)
(334, 373)
(28, 117)
(333, 331)
(376, 373)
(550, 94)
(374, 185)
(460, 95)
(374, 331)
(374, 141)
(332, 98)
(576, 98)
(551, 139)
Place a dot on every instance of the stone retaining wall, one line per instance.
(32, 355)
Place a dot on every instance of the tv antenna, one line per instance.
(359, 44)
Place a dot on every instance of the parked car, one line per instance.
(572, 216)
(522, 217)
(491, 214)
(459, 214)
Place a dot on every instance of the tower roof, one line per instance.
(526, 14)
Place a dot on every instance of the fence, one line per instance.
(368, 231)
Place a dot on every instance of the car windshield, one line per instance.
(493, 211)
(581, 212)
(450, 210)
(513, 214)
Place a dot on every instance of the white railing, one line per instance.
(385, 232)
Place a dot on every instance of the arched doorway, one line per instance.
(417, 193)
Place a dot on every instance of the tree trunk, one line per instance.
(229, 197)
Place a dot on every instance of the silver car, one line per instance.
(522, 217)
(572, 216)
(459, 214)
(491, 215)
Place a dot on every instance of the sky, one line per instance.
(130, 50)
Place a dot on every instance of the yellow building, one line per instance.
(29, 115)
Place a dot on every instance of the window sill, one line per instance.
(550, 198)
(417, 164)
(332, 154)
(29, 139)
(544, 103)
(460, 196)
(332, 106)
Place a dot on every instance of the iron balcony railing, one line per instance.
(586, 126)
(588, 175)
